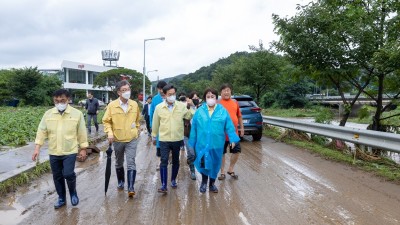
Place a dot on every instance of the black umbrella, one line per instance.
(108, 168)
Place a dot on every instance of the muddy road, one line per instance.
(278, 184)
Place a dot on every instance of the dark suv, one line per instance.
(251, 114)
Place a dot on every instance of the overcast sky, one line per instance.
(197, 33)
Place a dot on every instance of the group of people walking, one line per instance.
(205, 129)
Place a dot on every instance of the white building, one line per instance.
(80, 76)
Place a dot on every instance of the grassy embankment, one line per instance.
(384, 167)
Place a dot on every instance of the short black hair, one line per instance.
(149, 97)
(90, 92)
(61, 92)
(168, 87)
(212, 90)
(223, 86)
(181, 94)
(191, 95)
(120, 84)
(161, 84)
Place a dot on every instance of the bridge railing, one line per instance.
(382, 140)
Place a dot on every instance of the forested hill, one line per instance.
(200, 78)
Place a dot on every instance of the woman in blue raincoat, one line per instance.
(207, 136)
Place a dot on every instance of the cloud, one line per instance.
(44, 32)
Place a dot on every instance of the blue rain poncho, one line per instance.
(154, 102)
(207, 137)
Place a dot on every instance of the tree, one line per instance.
(23, 82)
(43, 92)
(108, 79)
(33, 88)
(348, 44)
(5, 91)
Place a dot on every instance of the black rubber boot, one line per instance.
(204, 181)
(192, 172)
(120, 177)
(212, 186)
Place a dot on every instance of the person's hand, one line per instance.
(97, 112)
(189, 101)
(110, 138)
(82, 155)
(241, 132)
(154, 140)
(233, 145)
(35, 154)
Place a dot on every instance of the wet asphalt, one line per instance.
(278, 184)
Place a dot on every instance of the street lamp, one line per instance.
(151, 87)
(144, 63)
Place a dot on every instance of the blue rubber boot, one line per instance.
(174, 174)
(72, 192)
(164, 178)
(131, 182)
(60, 203)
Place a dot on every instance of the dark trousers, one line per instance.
(89, 124)
(165, 148)
(148, 126)
(63, 169)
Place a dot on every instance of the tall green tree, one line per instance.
(260, 71)
(24, 82)
(347, 43)
(41, 95)
(33, 88)
(252, 73)
(108, 79)
(5, 91)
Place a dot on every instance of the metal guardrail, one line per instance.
(383, 140)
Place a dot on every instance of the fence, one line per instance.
(383, 140)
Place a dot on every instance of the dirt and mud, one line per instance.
(278, 184)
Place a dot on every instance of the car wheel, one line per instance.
(257, 137)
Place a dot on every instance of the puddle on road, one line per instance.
(244, 219)
(309, 174)
(12, 213)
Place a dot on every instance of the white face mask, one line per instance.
(171, 99)
(211, 101)
(61, 107)
(126, 95)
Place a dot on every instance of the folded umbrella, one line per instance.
(108, 168)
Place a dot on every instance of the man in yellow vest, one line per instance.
(121, 124)
(64, 127)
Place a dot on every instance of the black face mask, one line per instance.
(182, 98)
(195, 101)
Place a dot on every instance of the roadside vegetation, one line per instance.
(18, 125)
(292, 112)
(383, 167)
(24, 178)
